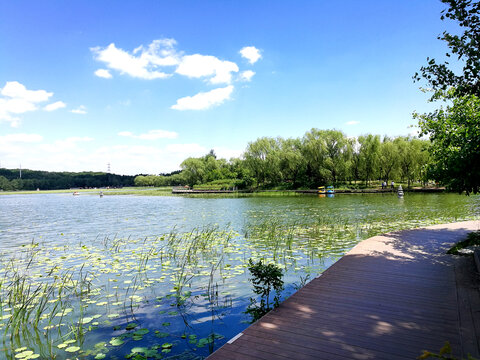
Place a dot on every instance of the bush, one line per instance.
(265, 279)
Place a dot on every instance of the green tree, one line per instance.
(354, 169)
(455, 150)
(315, 153)
(387, 159)
(5, 184)
(291, 162)
(193, 170)
(369, 153)
(465, 46)
(412, 155)
(265, 279)
(261, 157)
(338, 155)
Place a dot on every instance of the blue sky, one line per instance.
(144, 84)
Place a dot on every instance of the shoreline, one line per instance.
(392, 296)
(310, 191)
(167, 191)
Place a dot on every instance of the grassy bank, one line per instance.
(167, 191)
(122, 191)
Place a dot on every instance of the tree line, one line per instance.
(320, 157)
(328, 156)
(10, 180)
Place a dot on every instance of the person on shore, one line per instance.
(393, 185)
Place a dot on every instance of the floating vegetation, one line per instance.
(181, 294)
(52, 298)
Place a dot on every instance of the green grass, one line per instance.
(146, 191)
(472, 239)
(167, 190)
(123, 191)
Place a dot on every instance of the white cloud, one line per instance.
(82, 110)
(75, 139)
(16, 99)
(152, 62)
(71, 142)
(251, 53)
(143, 62)
(14, 89)
(20, 138)
(103, 73)
(55, 106)
(204, 100)
(186, 149)
(197, 66)
(247, 75)
(151, 135)
(82, 154)
(354, 122)
(226, 153)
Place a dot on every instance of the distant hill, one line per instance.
(47, 180)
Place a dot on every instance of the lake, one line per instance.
(157, 277)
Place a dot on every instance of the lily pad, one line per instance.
(140, 332)
(23, 354)
(131, 326)
(72, 349)
(161, 334)
(116, 341)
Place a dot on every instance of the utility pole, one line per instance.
(108, 175)
(20, 171)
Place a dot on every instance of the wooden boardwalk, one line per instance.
(390, 297)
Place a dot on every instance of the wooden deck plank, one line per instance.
(324, 344)
(372, 307)
(390, 297)
(357, 337)
(403, 332)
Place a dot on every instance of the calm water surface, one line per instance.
(189, 293)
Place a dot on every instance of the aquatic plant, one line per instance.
(265, 279)
(70, 298)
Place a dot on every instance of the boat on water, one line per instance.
(328, 190)
(400, 192)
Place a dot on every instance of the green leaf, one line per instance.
(116, 341)
(131, 326)
(72, 349)
(161, 334)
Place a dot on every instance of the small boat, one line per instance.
(76, 193)
(322, 190)
(400, 191)
(330, 190)
(101, 194)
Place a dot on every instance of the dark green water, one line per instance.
(172, 267)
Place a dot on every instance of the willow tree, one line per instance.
(261, 157)
(369, 156)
